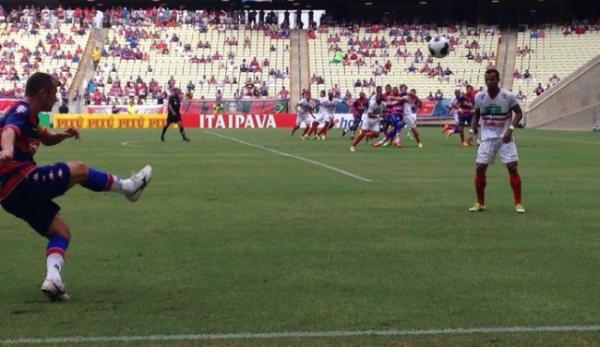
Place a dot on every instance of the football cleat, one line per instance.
(140, 180)
(519, 208)
(54, 289)
(477, 208)
(186, 139)
(352, 149)
(420, 145)
(398, 144)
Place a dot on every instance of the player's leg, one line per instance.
(306, 128)
(411, 123)
(367, 124)
(480, 183)
(182, 131)
(323, 131)
(313, 128)
(58, 235)
(100, 181)
(461, 130)
(165, 128)
(485, 154)
(509, 155)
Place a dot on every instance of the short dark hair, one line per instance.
(493, 71)
(39, 81)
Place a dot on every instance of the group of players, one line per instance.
(386, 111)
(488, 112)
(27, 190)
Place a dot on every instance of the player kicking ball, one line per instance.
(495, 107)
(27, 190)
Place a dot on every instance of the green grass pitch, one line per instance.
(229, 238)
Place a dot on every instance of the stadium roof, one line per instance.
(488, 11)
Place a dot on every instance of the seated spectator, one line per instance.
(554, 80)
(439, 96)
(538, 90)
(387, 67)
(526, 74)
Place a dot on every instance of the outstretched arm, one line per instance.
(50, 138)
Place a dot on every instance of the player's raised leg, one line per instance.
(98, 181)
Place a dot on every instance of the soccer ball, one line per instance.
(439, 46)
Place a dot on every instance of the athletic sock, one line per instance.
(55, 255)
(100, 181)
(182, 132)
(480, 183)
(515, 184)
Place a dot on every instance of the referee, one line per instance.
(173, 115)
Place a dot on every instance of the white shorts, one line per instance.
(370, 124)
(410, 121)
(323, 117)
(486, 154)
(303, 118)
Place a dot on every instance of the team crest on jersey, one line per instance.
(21, 109)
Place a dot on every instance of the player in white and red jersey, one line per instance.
(494, 110)
(327, 109)
(370, 121)
(305, 109)
(410, 115)
(319, 117)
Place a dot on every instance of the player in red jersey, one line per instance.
(466, 104)
(358, 108)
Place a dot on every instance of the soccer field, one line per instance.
(305, 236)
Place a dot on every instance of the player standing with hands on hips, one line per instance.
(495, 107)
(27, 190)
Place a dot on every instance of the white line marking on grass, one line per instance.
(314, 162)
(307, 334)
(127, 143)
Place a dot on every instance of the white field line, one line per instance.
(314, 162)
(304, 334)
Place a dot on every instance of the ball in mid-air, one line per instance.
(439, 46)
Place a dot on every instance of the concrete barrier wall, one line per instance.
(574, 104)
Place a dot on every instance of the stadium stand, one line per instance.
(406, 50)
(32, 40)
(218, 59)
(553, 53)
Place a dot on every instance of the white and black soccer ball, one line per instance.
(439, 46)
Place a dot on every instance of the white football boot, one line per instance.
(140, 180)
(54, 289)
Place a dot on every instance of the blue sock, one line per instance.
(98, 181)
(57, 244)
(390, 134)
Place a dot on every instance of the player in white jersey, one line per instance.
(494, 110)
(410, 115)
(318, 117)
(370, 120)
(305, 109)
(327, 108)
